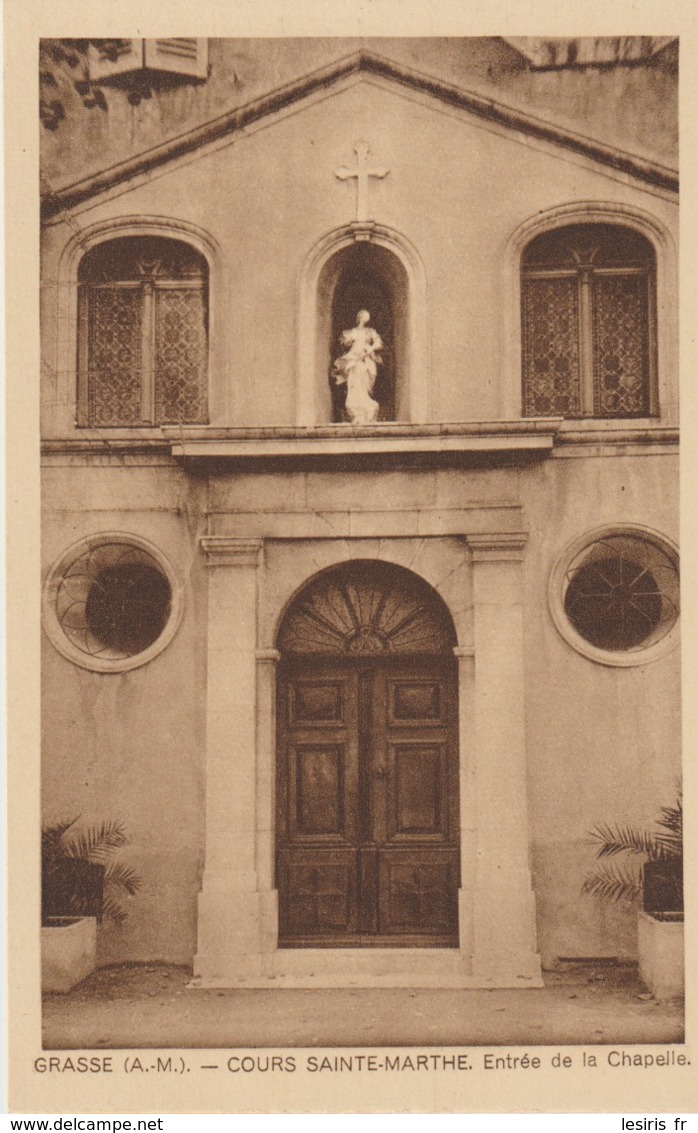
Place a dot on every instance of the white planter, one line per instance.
(68, 952)
(661, 955)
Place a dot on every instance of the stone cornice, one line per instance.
(468, 441)
(535, 438)
(626, 434)
(231, 550)
(235, 121)
(500, 546)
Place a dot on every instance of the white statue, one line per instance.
(358, 368)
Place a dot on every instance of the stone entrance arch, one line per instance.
(258, 606)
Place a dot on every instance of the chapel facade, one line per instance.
(359, 434)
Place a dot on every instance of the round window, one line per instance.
(616, 597)
(111, 603)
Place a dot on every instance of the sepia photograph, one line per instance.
(360, 665)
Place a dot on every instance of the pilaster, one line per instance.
(504, 934)
(229, 914)
(468, 801)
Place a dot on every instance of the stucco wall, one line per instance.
(603, 742)
(128, 746)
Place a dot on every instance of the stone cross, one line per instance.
(362, 174)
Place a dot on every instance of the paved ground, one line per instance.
(150, 1006)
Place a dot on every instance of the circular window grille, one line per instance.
(616, 597)
(111, 603)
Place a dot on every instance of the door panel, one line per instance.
(320, 889)
(417, 796)
(367, 801)
(316, 703)
(418, 892)
(415, 702)
(318, 787)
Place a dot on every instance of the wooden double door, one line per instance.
(367, 802)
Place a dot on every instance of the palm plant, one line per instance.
(80, 871)
(628, 878)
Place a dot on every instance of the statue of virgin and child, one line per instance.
(357, 369)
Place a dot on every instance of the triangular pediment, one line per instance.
(335, 76)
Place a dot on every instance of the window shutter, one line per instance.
(107, 58)
(178, 56)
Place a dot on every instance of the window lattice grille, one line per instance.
(143, 343)
(179, 351)
(113, 601)
(587, 312)
(620, 346)
(551, 348)
(115, 332)
(622, 593)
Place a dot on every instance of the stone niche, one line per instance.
(363, 266)
(365, 276)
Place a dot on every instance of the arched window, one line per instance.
(588, 323)
(142, 351)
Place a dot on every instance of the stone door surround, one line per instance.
(252, 580)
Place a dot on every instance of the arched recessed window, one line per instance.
(142, 351)
(588, 323)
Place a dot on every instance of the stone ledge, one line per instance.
(472, 439)
(573, 434)
(462, 442)
(367, 967)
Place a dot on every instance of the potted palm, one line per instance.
(82, 882)
(648, 871)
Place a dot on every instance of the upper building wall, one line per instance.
(632, 105)
(461, 198)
